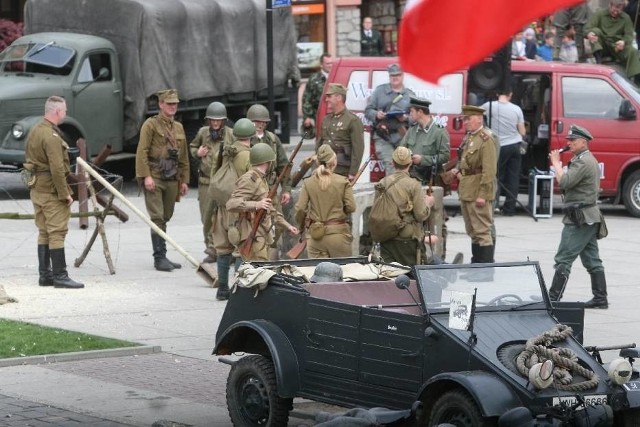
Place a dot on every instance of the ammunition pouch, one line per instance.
(603, 231)
(168, 169)
(28, 177)
(574, 213)
(317, 230)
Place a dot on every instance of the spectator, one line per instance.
(370, 39)
(313, 92)
(610, 32)
(517, 47)
(571, 17)
(530, 43)
(569, 50)
(633, 10)
(545, 52)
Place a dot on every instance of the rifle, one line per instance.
(297, 249)
(434, 170)
(245, 249)
(302, 171)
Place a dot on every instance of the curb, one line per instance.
(80, 355)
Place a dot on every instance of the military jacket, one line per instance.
(608, 29)
(429, 141)
(345, 133)
(313, 95)
(208, 163)
(408, 195)
(155, 136)
(335, 202)
(478, 164)
(580, 184)
(382, 99)
(47, 157)
(274, 171)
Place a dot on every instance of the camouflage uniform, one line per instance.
(345, 134)
(313, 95)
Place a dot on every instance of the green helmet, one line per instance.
(261, 153)
(244, 128)
(258, 112)
(216, 111)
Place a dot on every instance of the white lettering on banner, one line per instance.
(359, 90)
(441, 120)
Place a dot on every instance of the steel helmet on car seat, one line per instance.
(327, 272)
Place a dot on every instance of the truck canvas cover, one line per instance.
(203, 48)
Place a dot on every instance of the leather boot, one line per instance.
(160, 261)
(224, 264)
(559, 283)
(486, 254)
(44, 266)
(211, 257)
(458, 259)
(599, 290)
(474, 253)
(61, 278)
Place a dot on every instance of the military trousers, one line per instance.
(478, 222)
(161, 202)
(51, 217)
(403, 251)
(579, 240)
(205, 216)
(221, 221)
(259, 250)
(334, 244)
(627, 57)
(384, 151)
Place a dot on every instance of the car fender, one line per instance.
(499, 400)
(285, 360)
(30, 122)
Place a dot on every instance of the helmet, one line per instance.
(244, 128)
(261, 153)
(258, 112)
(327, 272)
(216, 111)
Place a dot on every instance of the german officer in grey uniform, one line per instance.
(583, 221)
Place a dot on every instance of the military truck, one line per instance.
(109, 59)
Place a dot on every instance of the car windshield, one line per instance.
(630, 88)
(44, 58)
(497, 287)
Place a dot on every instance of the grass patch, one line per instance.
(20, 339)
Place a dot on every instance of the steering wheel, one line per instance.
(494, 301)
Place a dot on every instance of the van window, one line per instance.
(589, 98)
(358, 91)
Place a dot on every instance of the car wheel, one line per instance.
(458, 408)
(631, 194)
(252, 396)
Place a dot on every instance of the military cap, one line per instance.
(169, 96)
(402, 156)
(472, 110)
(394, 70)
(576, 132)
(414, 101)
(325, 153)
(336, 88)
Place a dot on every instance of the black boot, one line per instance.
(599, 290)
(60, 277)
(160, 261)
(597, 55)
(558, 285)
(474, 253)
(44, 266)
(224, 264)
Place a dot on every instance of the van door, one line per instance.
(594, 102)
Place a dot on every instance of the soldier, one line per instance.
(325, 202)
(476, 174)
(414, 206)
(387, 110)
(48, 161)
(207, 147)
(313, 92)
(249, 196)
(583, 221)
(225, 233)
(343, 131)
(162, 164)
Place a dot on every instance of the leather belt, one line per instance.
(467, 172)
(331, 222)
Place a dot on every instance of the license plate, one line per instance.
(596, 399)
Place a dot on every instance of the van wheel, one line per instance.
(252, 395)
(631, 194)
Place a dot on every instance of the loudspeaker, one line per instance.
(493, 74)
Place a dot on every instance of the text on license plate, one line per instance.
(596, 399)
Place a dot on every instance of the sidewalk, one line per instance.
(178, 312)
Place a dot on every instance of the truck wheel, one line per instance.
(252, 395)
(458, 408)
(631, 194)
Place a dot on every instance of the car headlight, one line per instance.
(17, 131)
(541, 374)
(620, 371)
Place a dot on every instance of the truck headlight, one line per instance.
(620, 371)
(541, 374)
(17, 131)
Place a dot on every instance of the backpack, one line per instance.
(223, 181)
(385, 219)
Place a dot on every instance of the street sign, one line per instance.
(281, 3)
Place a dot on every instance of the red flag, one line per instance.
(441, 36)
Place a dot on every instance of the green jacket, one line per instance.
(580, 184)
(273, 173)
(345, 133)
(429, 141)
(209, 162)
(155, 136)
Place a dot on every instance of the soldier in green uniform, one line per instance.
(610, 32)
(580, 184)
(48, 161)
(414, 204)
(343, 131)
(476, 173)
(162, 164)
(249, 196)
(323, 208)
(224, 224)
(312, 94)
(207, 147)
